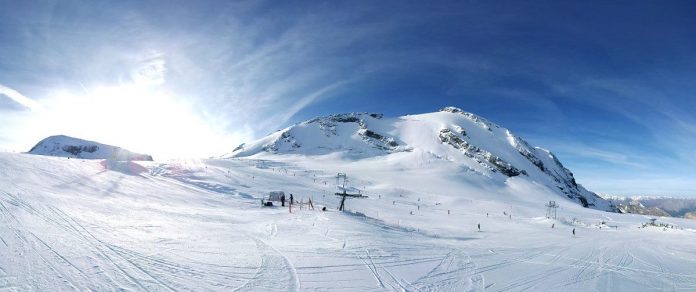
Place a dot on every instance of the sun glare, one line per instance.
(139, 118)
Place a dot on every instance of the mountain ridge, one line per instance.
(655, 205)
(449, 134)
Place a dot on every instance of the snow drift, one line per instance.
(65, 146)
(488, 151)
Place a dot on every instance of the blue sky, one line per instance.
(606, 85)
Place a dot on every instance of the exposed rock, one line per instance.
(483, 157)
(451, 134)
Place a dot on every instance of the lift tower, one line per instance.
(341, 180)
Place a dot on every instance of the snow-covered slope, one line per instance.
(65, 146)
(190, 225)
(488, 153)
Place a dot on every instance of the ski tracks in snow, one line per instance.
(81, 260)
(455, 272)
(71, 233)
(275, 272)
(157, 272)
(34, 250)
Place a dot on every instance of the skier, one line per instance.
(282, 200)
(291, 199)
(552, 225)
(573, 232)
(479, 227)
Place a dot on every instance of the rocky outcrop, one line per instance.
(450, 134)
(483, 157)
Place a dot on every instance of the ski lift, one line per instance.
(341, 179)
(551, 207)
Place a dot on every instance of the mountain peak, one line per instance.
(346, 118)
(451, 135)
(483, 122)
(452, 109)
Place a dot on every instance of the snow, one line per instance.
(73, 224)
(65, 146)
(478, 150)
(674, 206)
(429, 181)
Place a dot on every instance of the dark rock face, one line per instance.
(478, 120)
(373, 135)
(563, 178)
(483, 157)
(76, 150)
(345, 118)
(377, 140)
(328, 126)
(240, 147)
(486, 143)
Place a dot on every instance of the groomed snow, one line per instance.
(70, 224)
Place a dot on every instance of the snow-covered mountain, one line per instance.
(198, 225)
(489, 153)
(655, 205)
(65, 146)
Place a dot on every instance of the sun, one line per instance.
(138, 117)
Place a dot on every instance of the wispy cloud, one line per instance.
(251, 67)
(303, 102)
(618, 158)
(19, 98)
(663, 113)
(646, 184)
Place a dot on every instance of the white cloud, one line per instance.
(19, 98)
(303, 102)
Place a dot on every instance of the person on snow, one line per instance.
(291, 199)
(282, 200)
(573, 232)
(479, 227)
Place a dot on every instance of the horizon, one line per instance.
(605, 88)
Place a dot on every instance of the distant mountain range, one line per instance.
(65, 146)
(492, 154)
(656, 205)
